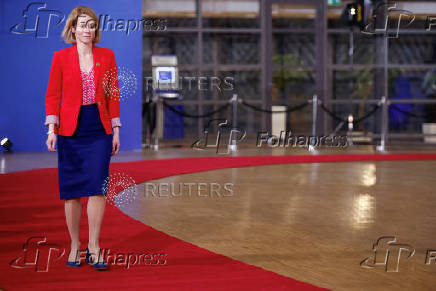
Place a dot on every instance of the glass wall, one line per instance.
(222, 39)
(219, 45)
(409, 69)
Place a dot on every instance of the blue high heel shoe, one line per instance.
(73, 264)
(98, 265)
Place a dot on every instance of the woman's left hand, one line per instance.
(115, 141)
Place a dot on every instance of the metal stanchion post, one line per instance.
(314, 113)
(314, 117)
(350, 129)
(232, 146)
(159, 123)
(384, 127)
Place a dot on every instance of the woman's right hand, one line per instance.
(51, 142)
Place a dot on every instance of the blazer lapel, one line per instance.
(97, 70)
(76, 72)
(78, 76)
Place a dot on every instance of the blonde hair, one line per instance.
(67, 33)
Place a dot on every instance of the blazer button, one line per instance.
(99, 103)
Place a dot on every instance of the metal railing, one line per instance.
(383, 104)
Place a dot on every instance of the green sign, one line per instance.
(333, 2)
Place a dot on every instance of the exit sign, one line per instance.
(333, 2)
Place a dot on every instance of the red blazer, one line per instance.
(64, 90)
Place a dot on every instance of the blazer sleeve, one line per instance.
(54, 91)
(114, 94)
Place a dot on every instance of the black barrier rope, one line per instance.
(371, 112)
(290, 109)
(396, 108)
(331, 113)
(192, 115)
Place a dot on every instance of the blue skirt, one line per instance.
(84, 157)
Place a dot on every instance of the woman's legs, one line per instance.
(95, 210)
(73, 213)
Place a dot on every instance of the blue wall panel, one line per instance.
(26, 51)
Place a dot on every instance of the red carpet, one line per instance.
(30, 207)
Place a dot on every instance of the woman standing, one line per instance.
(82, 107)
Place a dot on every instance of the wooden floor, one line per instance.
(311, 222)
